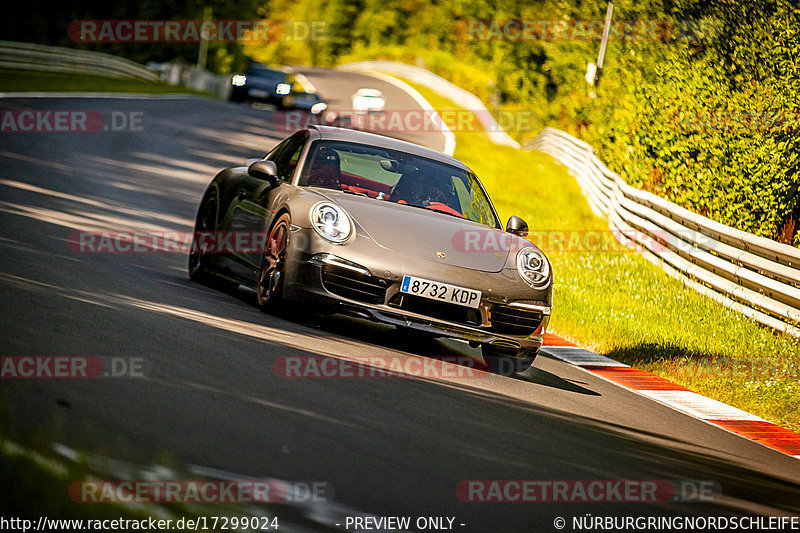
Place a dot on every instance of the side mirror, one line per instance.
(264, 170)
(517, 226)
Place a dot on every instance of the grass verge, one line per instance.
(32, 81)
(42, 485)
(36, 485)
(614, 302)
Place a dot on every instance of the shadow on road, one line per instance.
(214, 398)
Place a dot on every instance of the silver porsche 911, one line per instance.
(382, 229)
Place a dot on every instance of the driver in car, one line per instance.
(326, 171)
(431, 191)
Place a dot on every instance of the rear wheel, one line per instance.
(273, 265)
(204, 226)
(502, 360)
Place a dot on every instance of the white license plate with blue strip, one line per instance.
(441, 292)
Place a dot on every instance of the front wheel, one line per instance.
(204, 226)
(502, 361)
(273, 265)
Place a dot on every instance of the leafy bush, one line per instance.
(714, 126)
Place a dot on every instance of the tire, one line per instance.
(502, 362)
(269, 291)
(237, 96)
(205, 223)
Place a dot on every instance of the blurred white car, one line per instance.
(368, 101)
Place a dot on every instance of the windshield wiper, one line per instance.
(442, 211)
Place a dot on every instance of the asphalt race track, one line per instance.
(388, 446)
(337, 88)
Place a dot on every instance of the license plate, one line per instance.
(441, 292)
(258, 93)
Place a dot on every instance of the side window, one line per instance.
(286, 154)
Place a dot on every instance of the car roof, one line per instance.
(261, 69)
(330, 133)
(364, 91)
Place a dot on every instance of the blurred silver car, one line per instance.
(367, 100)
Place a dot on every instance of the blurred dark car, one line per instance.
(261, 84)
(311, 102)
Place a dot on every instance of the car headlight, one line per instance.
(318, 108)
(533, 267)
(239, 80)
(283, 88)
(331, 222)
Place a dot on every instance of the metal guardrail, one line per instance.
(28, 56)
(753, 275)
(193, 77)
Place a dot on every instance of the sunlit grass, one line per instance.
(618, 304)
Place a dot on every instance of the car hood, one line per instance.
(426, 234)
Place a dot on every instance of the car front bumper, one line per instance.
(510, 320)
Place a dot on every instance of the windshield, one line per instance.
(265, 73)
(399, 177)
